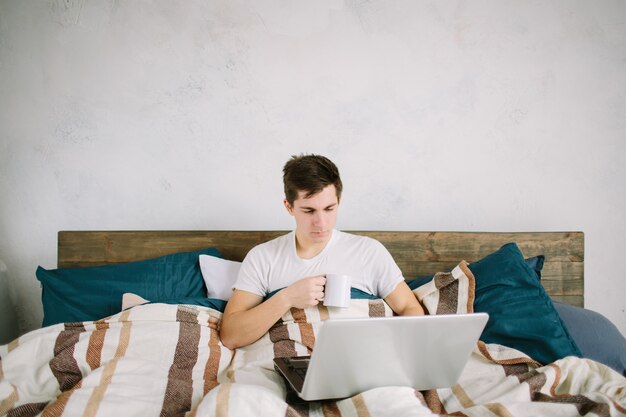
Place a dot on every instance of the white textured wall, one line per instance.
(493, 115)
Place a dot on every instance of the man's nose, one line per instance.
(318, 218)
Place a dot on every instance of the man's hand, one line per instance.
(247, 317)
(307, 292)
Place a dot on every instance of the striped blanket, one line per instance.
(167, 360)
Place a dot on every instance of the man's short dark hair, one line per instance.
(310, 174)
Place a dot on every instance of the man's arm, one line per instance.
(403, 302)
(247, 318)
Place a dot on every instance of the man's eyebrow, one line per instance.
(313, 208)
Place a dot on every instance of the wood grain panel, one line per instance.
(417, 253)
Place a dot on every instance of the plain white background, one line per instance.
(485, 115)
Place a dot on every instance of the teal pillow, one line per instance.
(536, 263)
(418, 282)
(92, 293)
(521, 314)
(203, 301)
(357, 294)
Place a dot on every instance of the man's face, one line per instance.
(315, 216)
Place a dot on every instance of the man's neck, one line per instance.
(308, 249)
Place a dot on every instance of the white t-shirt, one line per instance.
(275, 264)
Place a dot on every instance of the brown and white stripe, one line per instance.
(179, 390)
(95, 350)
(307, 335)
(449, 292)
(283, 345)
(211, 368)
(376, 308)
(64, 365)
(96, 342)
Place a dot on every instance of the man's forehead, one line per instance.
(326, 197)
(314, 205)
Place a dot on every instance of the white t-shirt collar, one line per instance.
(319, 255)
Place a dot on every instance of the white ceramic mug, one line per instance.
(337, 290)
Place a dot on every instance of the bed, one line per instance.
(131, 328)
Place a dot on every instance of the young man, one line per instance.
(298, 261)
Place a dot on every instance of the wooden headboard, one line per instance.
(416, 253)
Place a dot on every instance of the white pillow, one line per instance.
(219, 276)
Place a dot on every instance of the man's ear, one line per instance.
(288, 206)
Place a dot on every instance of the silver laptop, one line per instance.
(354, 355)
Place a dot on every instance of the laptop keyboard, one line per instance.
(293, 369)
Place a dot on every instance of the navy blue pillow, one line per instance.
(92, 293)
(536, 264)
(521, 314)
(596, 336)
